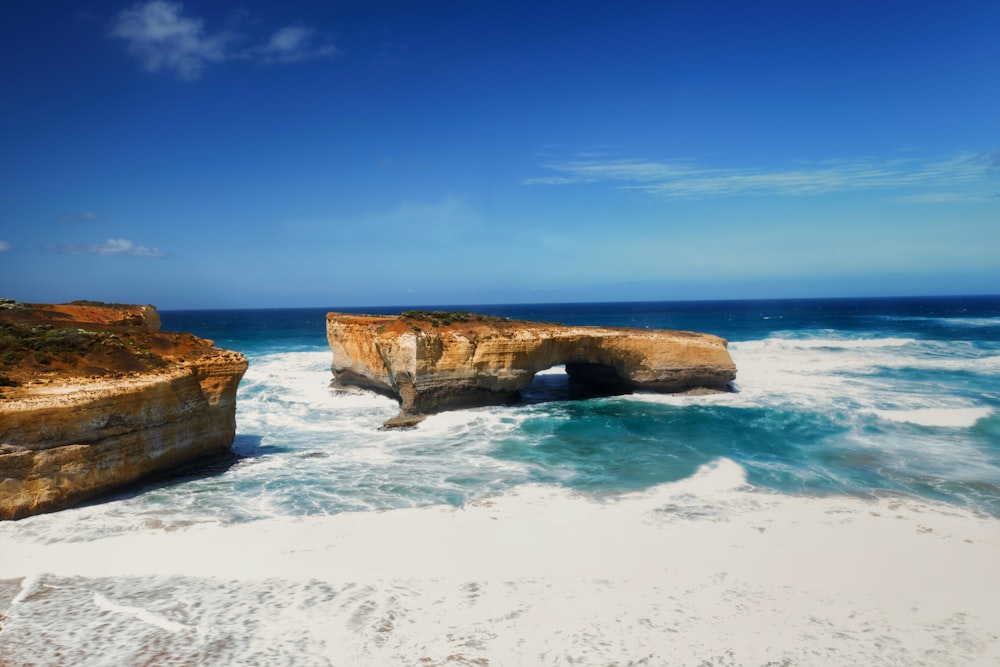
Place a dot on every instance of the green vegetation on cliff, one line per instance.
(33, 345)
(444, 317)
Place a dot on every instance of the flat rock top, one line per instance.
(73, 343)
(443, 322)
(438, 321)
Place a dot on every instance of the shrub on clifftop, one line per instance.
(445, 317)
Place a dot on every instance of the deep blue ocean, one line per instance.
(851, 396)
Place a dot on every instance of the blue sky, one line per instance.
(223, 154)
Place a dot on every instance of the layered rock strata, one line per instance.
(94, 397)
(432, 362)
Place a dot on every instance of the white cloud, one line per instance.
(120, 247)
(161, 37)
(4, 246)
(687, 179)
(294, 44)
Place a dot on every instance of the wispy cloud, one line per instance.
(450, 213)
(448, 221)
(86, 216)
(112, 247)
(4, 246)
(390, 53)
(961, 173)
(295, 44)
(937, 198)
(162, 38)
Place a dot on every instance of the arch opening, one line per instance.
(572, 381)
(597, 377)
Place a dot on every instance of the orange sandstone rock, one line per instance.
(432, 362)
(95, 397)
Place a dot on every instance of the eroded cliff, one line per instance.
(94, 397)
(432, 362)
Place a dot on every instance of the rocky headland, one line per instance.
(94, 397)
(431, 362)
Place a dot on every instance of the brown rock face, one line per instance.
(432, 362)
(95, 397)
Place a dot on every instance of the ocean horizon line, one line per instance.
(397, 308)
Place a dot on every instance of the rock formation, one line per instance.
(94, 397)
(432, 362)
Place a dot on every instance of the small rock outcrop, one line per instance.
(94, 397)
(431, 362)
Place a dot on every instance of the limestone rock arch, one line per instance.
(431, 362)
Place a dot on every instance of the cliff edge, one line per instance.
(94, 396)
(438, 361)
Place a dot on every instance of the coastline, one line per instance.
(840, 508)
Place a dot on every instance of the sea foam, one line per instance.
(948, 417)
(698, 571)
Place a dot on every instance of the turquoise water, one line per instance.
(863, 397)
